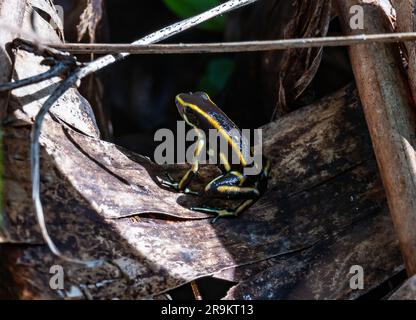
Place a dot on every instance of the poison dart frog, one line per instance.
(201, 113)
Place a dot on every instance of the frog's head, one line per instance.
(191, 106)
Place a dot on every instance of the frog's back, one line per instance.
(212, 117)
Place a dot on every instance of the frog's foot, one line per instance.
(172, 184)
(220, 213)
(169, 182)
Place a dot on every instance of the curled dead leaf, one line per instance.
(89, 19)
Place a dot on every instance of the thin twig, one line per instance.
(34, 152)
(195, 290)
(165, 33)
(54, 71)
(59, 62)
(245, 46)
(43, 50)
(84, 71)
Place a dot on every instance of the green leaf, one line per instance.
(188, 8)
(216, 75)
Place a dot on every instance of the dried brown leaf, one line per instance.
(82, 177)
(89, 19)
(323, 272)
(297, 67)
(102, 201)
(407, 291)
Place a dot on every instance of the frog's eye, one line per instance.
(203, 95)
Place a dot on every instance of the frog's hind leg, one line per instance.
(230, 186)
(221, 213)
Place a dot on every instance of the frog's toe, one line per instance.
(223, 214)
(206, 210)
(169, 177)
(170, 183)
(220, 213)
(191, 192)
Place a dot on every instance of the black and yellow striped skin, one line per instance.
(198, 110)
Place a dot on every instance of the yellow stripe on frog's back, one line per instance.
(217, 126)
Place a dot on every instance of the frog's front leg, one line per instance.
(183, 184)
(230, 186)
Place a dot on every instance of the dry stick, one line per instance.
(246, 46)
(35, 167)
(406, 22)
(184, 48)
(80, 73)
(164, 34)
(60, 62)
(391, 119)
(54, 71)
(195, 290)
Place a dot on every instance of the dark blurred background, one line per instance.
(134, 98)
